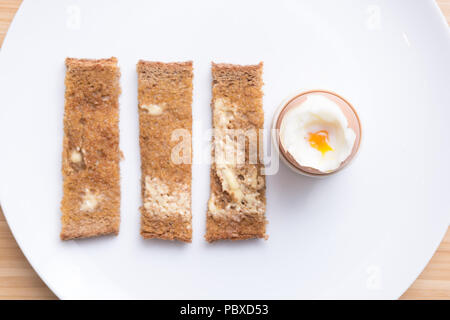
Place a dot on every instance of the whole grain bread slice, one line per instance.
(165, 117)
(236, 208)
(90, 159)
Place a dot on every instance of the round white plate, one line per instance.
(364, 233)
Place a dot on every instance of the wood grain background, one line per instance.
(19, 281)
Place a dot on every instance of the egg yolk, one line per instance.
(319, 141)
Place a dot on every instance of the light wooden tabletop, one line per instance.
(19, 281)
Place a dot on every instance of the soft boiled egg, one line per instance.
(315, 132)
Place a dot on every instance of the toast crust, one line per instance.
(165, 99)
(236, 208)
(90, 160)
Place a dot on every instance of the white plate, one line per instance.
(365, 233)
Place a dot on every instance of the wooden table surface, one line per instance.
(19, 281)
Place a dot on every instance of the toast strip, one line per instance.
(90, 160)
(236, 207)
(165, 99)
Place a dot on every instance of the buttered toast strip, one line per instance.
(90, 160)
(165, 123)
(236, 208)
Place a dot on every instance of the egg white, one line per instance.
(317, 113)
